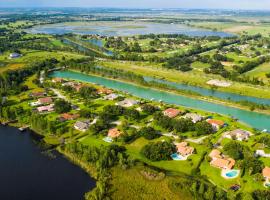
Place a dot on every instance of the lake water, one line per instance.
(256, 120)
(213, 93)
(123, 29)
(27, 174)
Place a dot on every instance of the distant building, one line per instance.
(57, 80)
(68, 116)
(194, 117)
(127, 103)
(183, 149)
(238, 134)
(48, 108)
(82, 125)
(266, 173)
(104, 91)
(114, 133)
(45, 100)
(38, 94)
(14, 55)
(171, 112)
(216, 124)
(111, 97)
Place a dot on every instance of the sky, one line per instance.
(220, 4)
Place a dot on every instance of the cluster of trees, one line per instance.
(251, 64)
(183, 125)
(62, 106)
(248, 163)
(158, 151)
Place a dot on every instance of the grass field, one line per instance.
(260, 71)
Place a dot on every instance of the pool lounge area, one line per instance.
(230, 174)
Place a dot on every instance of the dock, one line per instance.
(23, 128)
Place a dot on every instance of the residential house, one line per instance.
(221, 161)
(114, 133)
(171, 112)
(183, 149)
(238, 134)
(48, 108)
(67, 116)
(127, 103)
(45, 100)
(266, 173)
(82, 125)
(104, 91)
(38, 94)
(112, 96)
(194, 117)
(216, 124)
(57, 80)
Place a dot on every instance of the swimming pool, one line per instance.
(176, 156)
(108, 139)
(230, 173)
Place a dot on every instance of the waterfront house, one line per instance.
(14, 55)
(266, 173)
(48, 108)
(221, 161)
(67, 116)
(238, 134)
(82, 125)
(183, 149)
(194, 117)
(104, 91)
(171, 112)
(127, 103)
(216, 124)
(45, 100)
(57, 80)
(114, 133)
(112, 96)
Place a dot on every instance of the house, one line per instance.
(127, 103)
(220, 161)
(183, 149)
(78, 87)
(57, 80)
(111, 97)
(266, 173)
(66, 116)
(194, 117)
(171, 112)
(104, 91)
(45, 100)
(14, 55)
(82, 125)
(216, 124)
(48, 108)
(38, 94)
(114, 133)
(238, 134)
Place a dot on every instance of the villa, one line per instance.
(127, 103)
(111, 97)
(216, 124)
(183, 149)
(48, 108)
(114, 133)
(45, 100)
(57, 80)
(82, 125)
(104, 91)
(66, 116)
(14, 55)
(171, 112)
(38, 94)
(238, 134)
(266, 173)
(194, 117)
(221, 161)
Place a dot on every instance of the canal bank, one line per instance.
(256, 120)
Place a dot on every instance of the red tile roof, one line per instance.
(67, 116)
(266, 172)
(45, 100)
(171, 112)
(114, 133)
(215, 122)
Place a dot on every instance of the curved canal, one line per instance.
(256, 120)
(27, 174)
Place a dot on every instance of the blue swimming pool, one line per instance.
(176, 156)
(232, 173)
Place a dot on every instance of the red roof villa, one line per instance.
(45, 100)
(171, 112)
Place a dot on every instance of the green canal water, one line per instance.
(256, 120)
